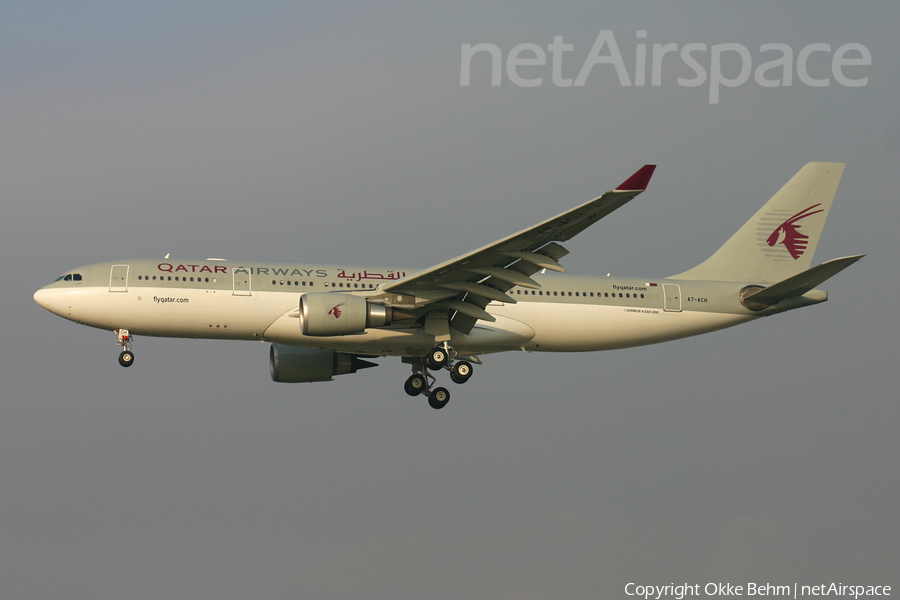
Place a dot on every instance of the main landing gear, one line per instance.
(421, 381)
(126, 358)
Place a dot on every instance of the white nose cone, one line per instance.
(42, 297)
(52, 299)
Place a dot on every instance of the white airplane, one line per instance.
(324, 321)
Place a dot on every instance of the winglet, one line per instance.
(637, 182)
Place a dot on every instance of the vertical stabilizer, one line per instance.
(780, 240)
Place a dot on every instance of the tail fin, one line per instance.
(780, 240)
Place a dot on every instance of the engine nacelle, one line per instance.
(326, 314)
(289, 364)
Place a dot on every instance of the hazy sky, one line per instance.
(339, 133)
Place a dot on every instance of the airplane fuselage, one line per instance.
(256, 301)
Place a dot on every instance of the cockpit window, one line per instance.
(68, 277)
(58, 278)
(76, 277)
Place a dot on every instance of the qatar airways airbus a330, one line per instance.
(327, 320)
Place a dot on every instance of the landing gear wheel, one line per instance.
(438, 398)
(461, 371)
(415, 385)
(123, 338)
(437, 358)
(126, 359)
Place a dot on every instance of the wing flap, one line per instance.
(489, 292)
(467, 308)
(541, 261)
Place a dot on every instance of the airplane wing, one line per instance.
(465, 285)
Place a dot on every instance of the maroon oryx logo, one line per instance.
(788, 233)
(336, 311)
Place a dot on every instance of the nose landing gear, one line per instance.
(123, 338)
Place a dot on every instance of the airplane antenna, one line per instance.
(167, 255)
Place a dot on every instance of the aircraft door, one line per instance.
(672, 292)
(241, 281)
(118, 278)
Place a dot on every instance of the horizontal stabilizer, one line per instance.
(798, 284)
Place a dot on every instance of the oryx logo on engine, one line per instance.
(336, 311)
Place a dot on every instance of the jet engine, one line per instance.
(325, 314)
(289, 364)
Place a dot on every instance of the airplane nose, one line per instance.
(42, 297)
(52, 300)
(59, 301)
